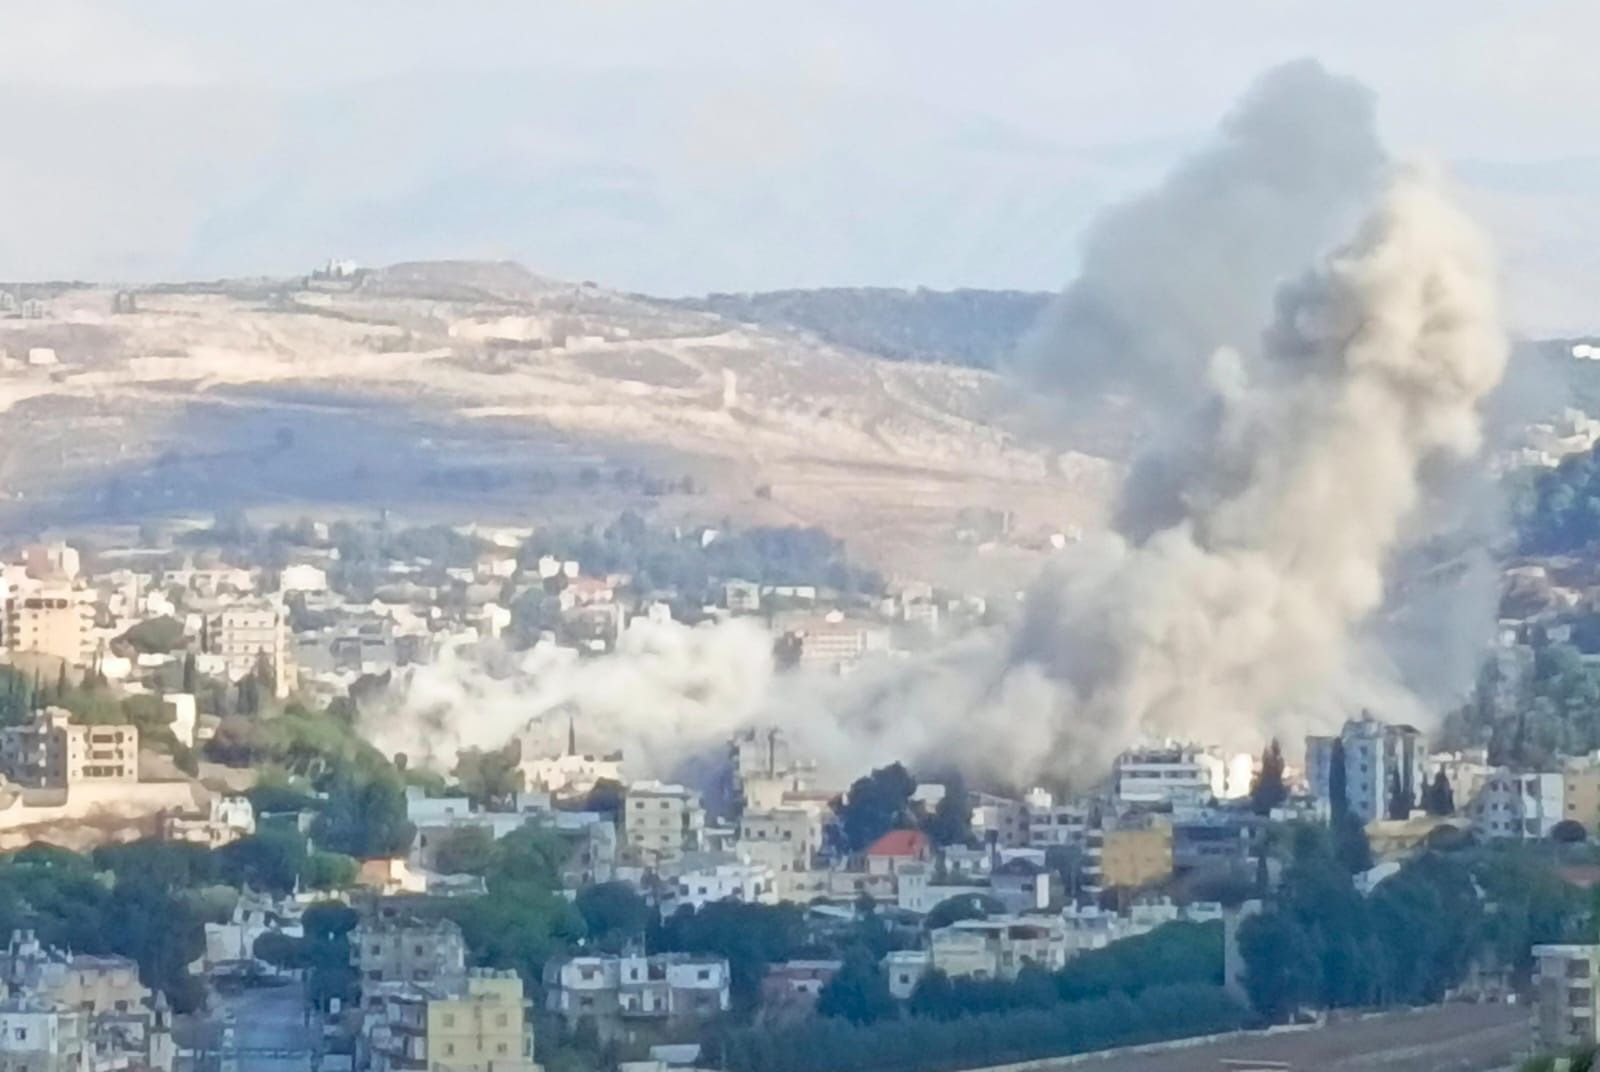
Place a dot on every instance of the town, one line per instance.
(183, 724)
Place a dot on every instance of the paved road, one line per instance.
(269, 1018)
(1449, 1038)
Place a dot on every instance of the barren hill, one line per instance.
(476, 390)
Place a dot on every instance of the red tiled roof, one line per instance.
(900, 843)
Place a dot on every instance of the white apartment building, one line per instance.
(998, 947)
(905, 969)
(1052, 825)
(1170, 774)
(1524, 806)
(1568, 1002)
(571, 775)
(999, 820)
(226, 820)
(751, 883)
(662, 821)
(611, 990)
(53, 752)
(41, 1036)
(247, 633)
(1376, 756)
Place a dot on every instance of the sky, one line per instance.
(685, 147)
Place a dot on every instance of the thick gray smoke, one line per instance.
(1240, 619)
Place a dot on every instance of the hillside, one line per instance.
(472, 390)
(973, 328)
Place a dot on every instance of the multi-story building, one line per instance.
(38, 1035)
(1580, 791)
(1053, 825)
(614, 990)
(97, 985)
(791, 989)
(998, 947)
(226, 820)
(572, 774)
(784, 839)
(1128, 858)
(662, 821)
(1000, 821)
(50, 619)
(391, 952)
(1524, 805)
(52, 752)
(251, 633)
(1169, 774)
(747, 882)
(1377, 757)
(1565, 980)
(475, 1024)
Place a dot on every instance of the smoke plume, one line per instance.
(1244, 613)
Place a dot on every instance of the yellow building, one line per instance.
(1132, 858)
(52, 620)
(478, 1025)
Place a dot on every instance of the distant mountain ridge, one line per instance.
(972, 328)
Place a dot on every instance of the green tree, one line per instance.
(613, 914)
(1401, 801)
(1438, 799)
(271, 859)
(467, 850)
(490, 779)
(328, 871)
(875, 805)
(1280, 964)
(858, 992)
(1268, 791)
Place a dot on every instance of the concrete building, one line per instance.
(905, 969)
(1169, 774)
(476, 1024)
(898, 849)
(572, 774)
(1519, 805)
(1128, 858)
(52, 620)
(52, 752)
(790, 989)
(1568, 1001)
(226, 820)
(998, 947)
(52, 561)
(662, 821)
(37, 1035)
(1580, 791)
(248, 634)
(615, 990)
(784, 839)
(98, 985)
(747, 882)
(1052, 824)
(390, 952)
(1000, 821)
(1377, 757)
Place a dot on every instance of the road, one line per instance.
(1448, 1038)
(267, 1021)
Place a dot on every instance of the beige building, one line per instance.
(98, 985)
(1568, 1005)
(662, 821)
(50, 620)
(248, 633)
(52, 752)
(476, 1025)
(784, 839)
(392, 953)
(1132, 858)
(1580, 792)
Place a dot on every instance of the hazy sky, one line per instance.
(679, 147)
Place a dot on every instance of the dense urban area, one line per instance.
(202, 838)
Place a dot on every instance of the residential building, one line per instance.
(53, 752)
(572, 774)
(249, 634)
(614, 990)
(226, 820)
(1169, 774)
(999, 821)
(54, 619)
(1568, 1000)
(917, 889)
(476, 1024)
(746, 882)
(905, 969)
(896, 849)
(662, 821)
(785, 839)
(742, 597)
(1021, 886)
(38, 1035)
(390, 952)
(1129, 857)
(998, 947)
(1053, 825)
(1580, 791)
(97, 985)
(790, 989)
(1524, 805)
(52, 561)
(303, 577)
(1378, 757)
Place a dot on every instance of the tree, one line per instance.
(1268, 790)
(280, 951)
(1350, 844)
(613, 913)
(365, 819)
(1568, 832)
(155, 636)
(191, 674)
(858, 992)
(875, 805)
(1338, 780)
(1280, 964)
(270, 859)
(467, 850)
(1438, 799)
(951, 821)
(1401, 802)
(490, 779)
(329, 871)
(961, 906)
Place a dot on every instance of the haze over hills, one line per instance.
(479, 387)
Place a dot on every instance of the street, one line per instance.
(269, 1028)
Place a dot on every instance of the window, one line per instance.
(501, 1048)
(449, 1049)
(501, 1020)
(449, 1019)
(704, 974)
(21, 1034)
